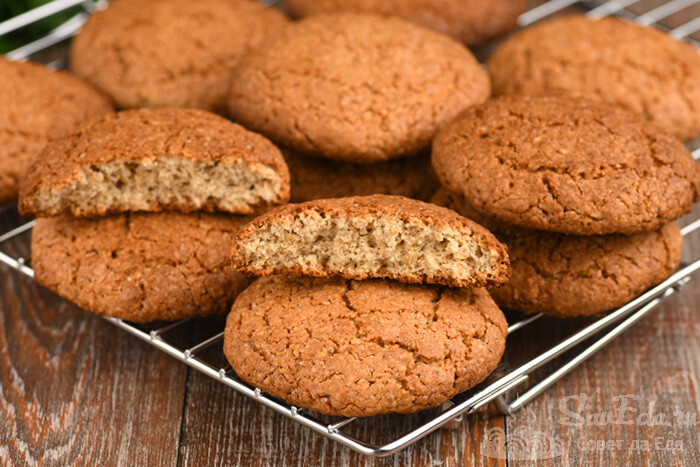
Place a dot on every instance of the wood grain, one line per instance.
(76, 390)
(654, 367)
(247, 433)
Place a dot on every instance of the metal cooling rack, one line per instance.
(412, 427)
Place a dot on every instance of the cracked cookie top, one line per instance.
(470, 21)
(566, 164)
(360, 348)
(140, 267)
(640, 68)
(359, 88)
(170, 53)
(37, 105)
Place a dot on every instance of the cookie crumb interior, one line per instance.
(165, 181)
(369, 247)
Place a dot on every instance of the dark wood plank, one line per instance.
(75, 389)
(653, 367)
(222, 427)
(235, 430)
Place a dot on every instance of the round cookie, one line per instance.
(639, 68)
(37, 105)
(153, 160)
(358, 88)
(170, 53)
(140, 267)
(317, 178)
(360, 348)
(570, 275)
(567, 165)
(470, 21)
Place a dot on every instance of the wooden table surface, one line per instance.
(74, 389)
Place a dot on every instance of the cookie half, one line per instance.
(361, 348)
(566, 164)
(377, 236)
(154, 160)
(359, 88)
(140, 267)
(642, 69)
(37, 105)
(170, 53)
(470, 21)
(570, 275)
(319, 178)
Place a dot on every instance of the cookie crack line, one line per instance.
(436, 303)
(606, 170)
(382, 341)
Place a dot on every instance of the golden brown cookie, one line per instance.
(360, 348)
(36, 105)
(567, 165)
(639, 68)
(170, 53)
(378, 236)
(319, 178)
(140, 267)
(470, 21)
(359, 88)
(155, 160)
(570, 275)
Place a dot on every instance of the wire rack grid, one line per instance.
(496, 387)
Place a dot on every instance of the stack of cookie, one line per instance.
(131, 211)
(367, 305)
(355, 100)
(583, 193)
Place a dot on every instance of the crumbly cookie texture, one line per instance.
(571, 275)
(567, 165)
(154, 160)
(177, 53)
(140, 267)
(359, 88)
(377, 236)
(470, 21)
(639, 68)
(319, 178)
(360, 348)
(37, 105)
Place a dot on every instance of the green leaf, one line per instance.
(11, 8)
